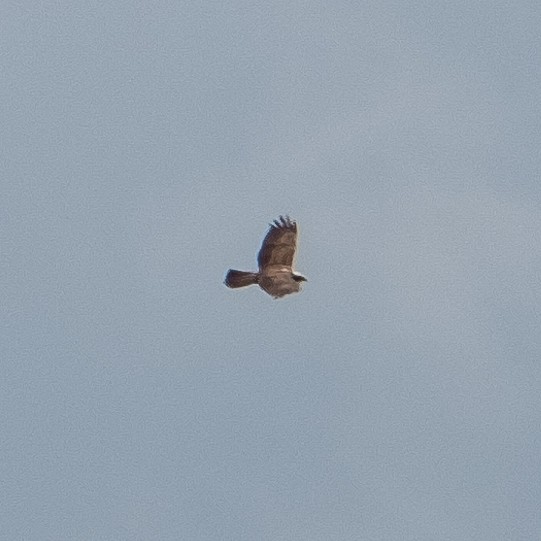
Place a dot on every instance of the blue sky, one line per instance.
(145, 148)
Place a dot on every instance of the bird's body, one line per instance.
(275, 259)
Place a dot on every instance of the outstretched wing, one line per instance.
(279, 245)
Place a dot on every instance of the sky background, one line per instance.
(144, 148)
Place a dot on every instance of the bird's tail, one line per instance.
(235, 278)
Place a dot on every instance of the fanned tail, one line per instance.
(236, 278)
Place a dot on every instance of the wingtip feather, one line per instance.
(284, 222)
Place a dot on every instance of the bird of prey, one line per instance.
(275, 259)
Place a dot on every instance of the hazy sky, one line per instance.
(145, 146)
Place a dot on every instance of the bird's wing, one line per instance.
(279, 245)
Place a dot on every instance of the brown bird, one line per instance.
(276, 276)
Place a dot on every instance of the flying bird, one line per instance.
(275, 259)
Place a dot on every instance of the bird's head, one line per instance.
(299, 278)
